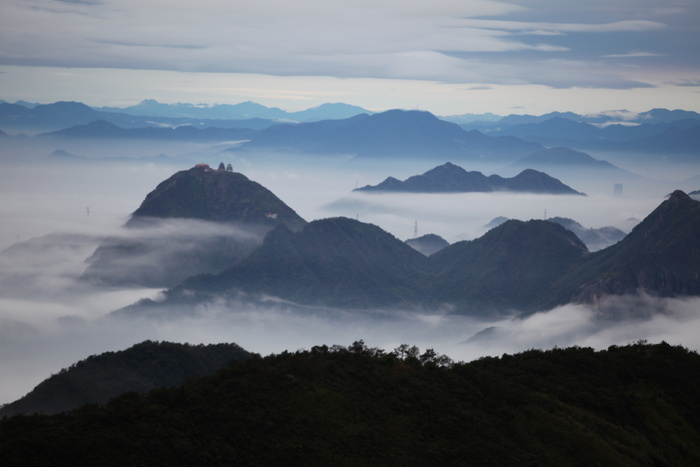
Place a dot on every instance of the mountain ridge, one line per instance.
(516, 267)
(450, 178)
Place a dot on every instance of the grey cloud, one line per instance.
(444, 41)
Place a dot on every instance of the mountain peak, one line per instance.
(678, 196)
(216, 195)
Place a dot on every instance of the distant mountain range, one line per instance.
(677, 136)
(450, 178)
(351, 130)
(595, 239)
(242, 111)
(394, 133)
(101, 129)
(149, 113)
(525, 266)
(567, 163)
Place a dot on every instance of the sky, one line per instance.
(449, 57)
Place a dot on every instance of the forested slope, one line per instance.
(631, 405)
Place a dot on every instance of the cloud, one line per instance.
(633, 55)
(49, 319)
(445, 40)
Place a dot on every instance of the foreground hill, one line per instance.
(450, 178)
(140, 368)
(632, 405)
(197, 221)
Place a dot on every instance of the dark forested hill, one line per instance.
(660, 257)
(631, 405)
(140, 368)
(216, 195)
(506, 269)
(332, 262)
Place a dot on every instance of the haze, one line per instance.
(49, 319)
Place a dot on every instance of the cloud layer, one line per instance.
(482, 41)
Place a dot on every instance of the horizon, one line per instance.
(623, 114)
(447, 57)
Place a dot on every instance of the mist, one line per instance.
(54, 216)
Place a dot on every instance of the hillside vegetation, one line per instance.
(349, 406)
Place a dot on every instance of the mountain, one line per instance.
(197, 221)
(336, 262)
(141, 368)
(506, 268)
(46, 117)
(666, 116)
(394, 133)
(427, 244)
(565, 163)
(564, 157)
(101, 129)
(355, 405)
(244, 110)
(595, 239)
(672, 140)
(552, 130)
(450, 178)
(673, 133)
(216, 195)
(328, 111)
(660, 257)
(241, 111)
(516, 267)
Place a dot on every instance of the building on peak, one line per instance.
(229, 168)
(221, 166)
(202, 165)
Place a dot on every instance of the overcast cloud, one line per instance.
(626, 45)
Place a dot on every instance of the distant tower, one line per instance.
(415, 230)
(229, 168)
(221, 166)
(617, 190)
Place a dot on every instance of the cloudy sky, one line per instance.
(446, 56)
